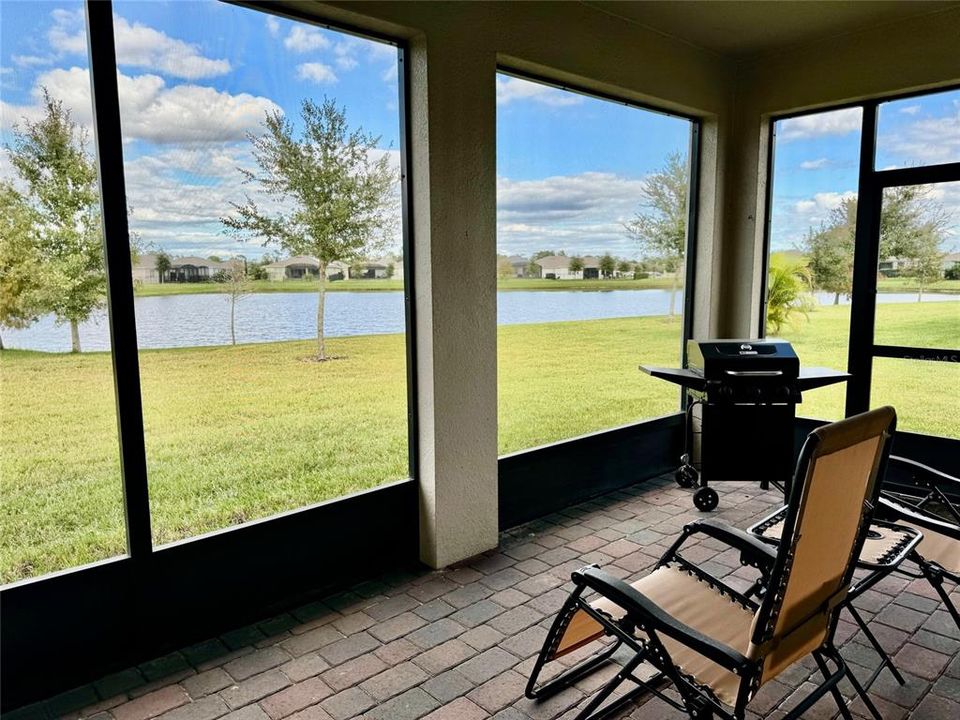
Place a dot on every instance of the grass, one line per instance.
(908, 284)
(238, 433)
(268, 286)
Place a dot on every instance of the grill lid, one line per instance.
(727, 358)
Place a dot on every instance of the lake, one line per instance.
(190, 320)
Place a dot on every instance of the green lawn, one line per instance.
(262, 286)
(237, 433)
(908, 284)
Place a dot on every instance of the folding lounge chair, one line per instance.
(718, 646)
(938, 554)
(885, 548)
(916, 533)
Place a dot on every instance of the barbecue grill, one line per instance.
(740, 409)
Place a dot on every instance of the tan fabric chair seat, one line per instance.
(879, 542)
(698, 605)
(936, 547)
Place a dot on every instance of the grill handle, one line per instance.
(754, 373)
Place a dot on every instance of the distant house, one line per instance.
(304, 267)
(554, 267)
(892, 266)
(182, 269)
(519, 264)
(145, 270)
(557, 267)
(377, 269)
(950, 261)
(193, 269)
(591, 268)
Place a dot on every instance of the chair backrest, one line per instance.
(834, 490)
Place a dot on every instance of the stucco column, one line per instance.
(453, 145)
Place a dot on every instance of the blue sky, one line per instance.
(197, 76)
(817, 157)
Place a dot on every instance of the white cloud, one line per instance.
(344, 55)
(153, 111)
(822, 203)
(317, 72)
(793, 216)
(303, 39)
(391, 73)
(927, 141)
(137, 45)
(31, 60)
(836, 122)
(67, 35)
(511, 89)
(910, 109)
(814, 164)
(144, 47)
(581, 214)
(273, 26)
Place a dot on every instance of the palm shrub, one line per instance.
(788, 291)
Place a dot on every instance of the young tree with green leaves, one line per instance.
(911, 229)
(329, 195)
(576, 265)
(504, 268)
(624, 268)
(50, 157)
(21, 272)
(830, 251)
(660, 226)
(237, 282)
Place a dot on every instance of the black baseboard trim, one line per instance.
(65, 630)
(537, 482)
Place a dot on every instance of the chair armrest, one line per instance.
(938, 475)
(753, 550)
(645, 612)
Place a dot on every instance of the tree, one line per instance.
(911, 229)
(660, 226)
(163, 265)
(624, 268)
(607, 265)
(830, 251)
(50, 157)
(504, 268)
(237, 283)
(576, 265)
(788, 285)
(21, 272)
(331, 196)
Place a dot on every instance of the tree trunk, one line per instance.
(233, 316)
(920, 292)
(321, 297)
(836, 298)
(74, 336)
(1, 342)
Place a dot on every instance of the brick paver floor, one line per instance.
(460, 643)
